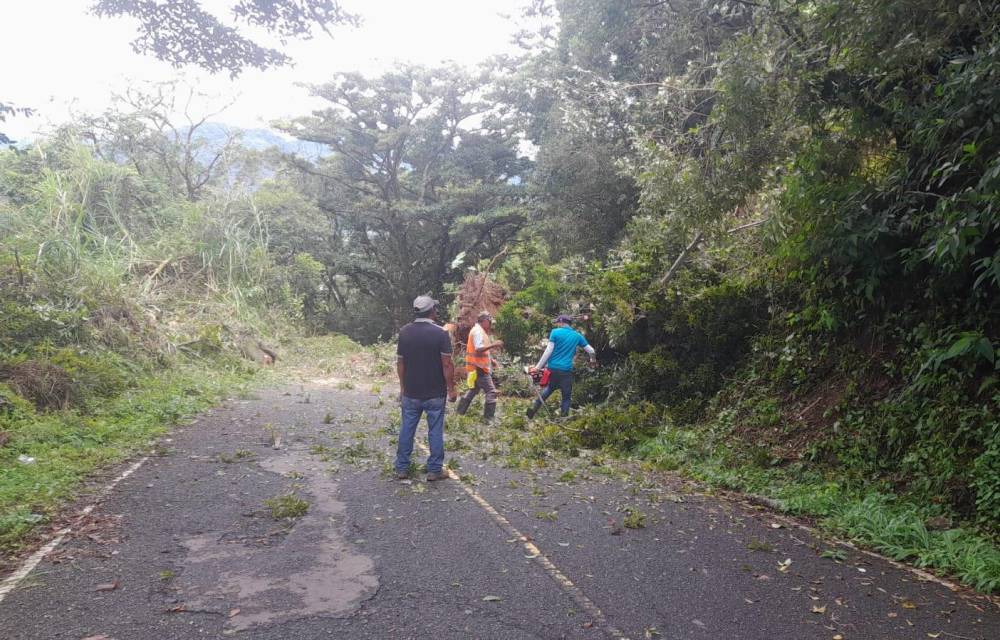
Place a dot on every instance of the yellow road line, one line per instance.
(569, 588)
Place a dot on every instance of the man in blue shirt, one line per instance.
(559, 354)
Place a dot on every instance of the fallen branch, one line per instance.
(694, 243)
(748, 225)
(159, 269)
(680, 259)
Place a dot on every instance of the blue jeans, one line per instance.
(411, 410)
(562, 380)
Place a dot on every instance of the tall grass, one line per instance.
(85, 228)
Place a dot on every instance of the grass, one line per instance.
(286, 506)
(756, 544)
(67, 446)
(634, 519)
(239, 455)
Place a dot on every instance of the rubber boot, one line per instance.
(533, 409)
(489, 411)
(463, 404)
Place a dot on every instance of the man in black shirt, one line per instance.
(426, 375)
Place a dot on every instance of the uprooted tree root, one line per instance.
(478, 293)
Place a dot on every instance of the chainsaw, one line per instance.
(539, 376)
(539, 380)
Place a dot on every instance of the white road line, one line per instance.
(570, 589)
(10, 582)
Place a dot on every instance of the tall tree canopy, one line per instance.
(422, 178)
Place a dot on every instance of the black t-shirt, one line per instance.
(421, 345)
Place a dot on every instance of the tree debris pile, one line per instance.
(477, 293)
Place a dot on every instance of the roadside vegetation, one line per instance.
(788, 264)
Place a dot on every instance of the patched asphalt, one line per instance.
(187, 548)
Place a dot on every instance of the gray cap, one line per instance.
(423, 304)
(563, 319)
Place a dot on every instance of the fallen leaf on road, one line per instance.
(233, 613)
(587, 625)
(818, 609)
(783, 566)
(698, 623)
(98, 637)
(933, 635)
(492, 599)
(177, 609)
(775, 525)
(908, 604)
(107, 586)
(838, 637)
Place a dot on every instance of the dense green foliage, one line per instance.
(804, 277)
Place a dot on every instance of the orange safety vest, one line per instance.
(473, 360)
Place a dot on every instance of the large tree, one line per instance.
(187, 151)
(422, 177)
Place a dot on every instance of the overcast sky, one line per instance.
(58, 58)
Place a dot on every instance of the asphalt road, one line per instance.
(188, 547)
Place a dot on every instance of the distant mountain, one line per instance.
(215, 134)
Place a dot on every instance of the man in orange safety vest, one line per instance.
(479, 360)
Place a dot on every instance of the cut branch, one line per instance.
(680, 259)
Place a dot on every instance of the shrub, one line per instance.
(25, 326)
(527, 315)
(618, 427)
(93, 373)
(45, 385)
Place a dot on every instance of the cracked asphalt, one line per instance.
(188, 547)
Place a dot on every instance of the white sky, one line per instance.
(59, 59)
